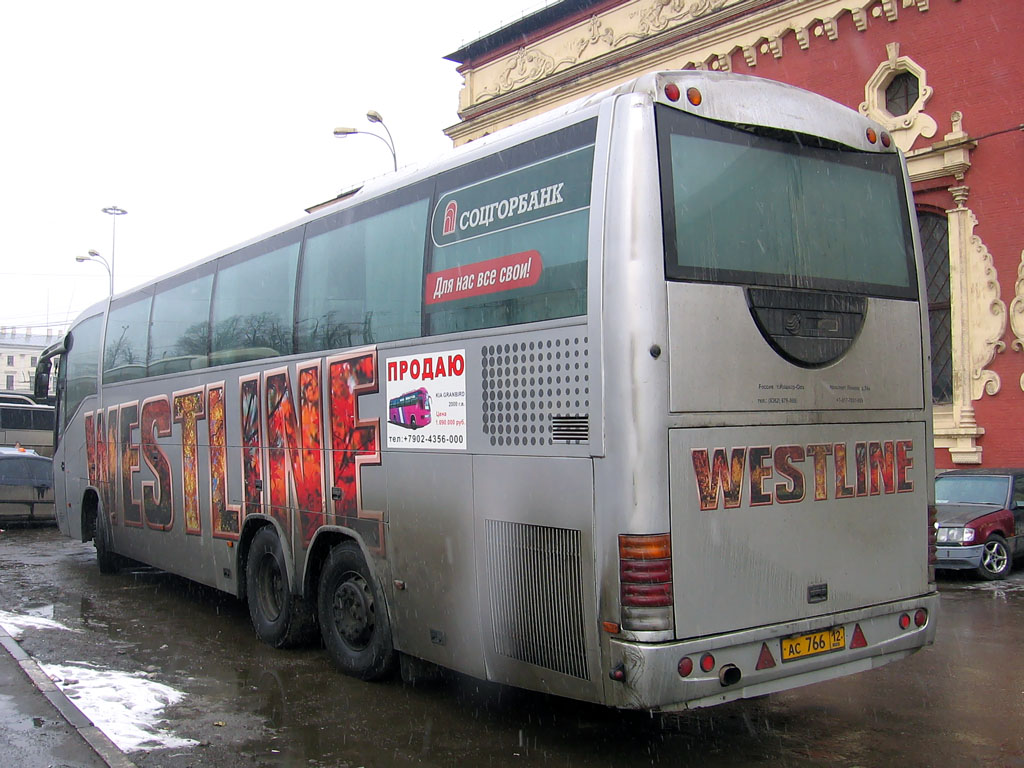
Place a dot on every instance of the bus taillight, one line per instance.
(645, 581)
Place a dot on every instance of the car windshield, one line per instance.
(19, 470)
(971, 489)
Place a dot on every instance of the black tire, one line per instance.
(102, 537)
(996, 560)
(353, 617)
(412, 422)
(280, 618)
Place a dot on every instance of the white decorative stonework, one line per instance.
(594, 37)
(978, 322)
(1017, 313)
(986, 321)
(635, 37)
(905, 129)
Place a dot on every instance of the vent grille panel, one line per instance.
(533, 391)
(536, 595)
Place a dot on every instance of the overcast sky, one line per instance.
(209, 122)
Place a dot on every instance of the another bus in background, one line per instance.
(28, 425)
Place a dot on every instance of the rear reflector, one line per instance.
(920, 617)
(707, 662)
(858, 640)
(765, 660)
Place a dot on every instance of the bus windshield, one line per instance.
(740, 207)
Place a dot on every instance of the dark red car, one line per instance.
(980, 520)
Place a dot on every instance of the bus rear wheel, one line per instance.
(280, 618)
(353, 618)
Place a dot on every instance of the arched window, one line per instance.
(935, 248)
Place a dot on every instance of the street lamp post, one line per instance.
(374, 117)
(94, 256)
(113, 211)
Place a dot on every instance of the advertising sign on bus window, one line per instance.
(509, 236)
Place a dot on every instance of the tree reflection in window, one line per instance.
(253, 305)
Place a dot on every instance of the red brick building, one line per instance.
(946, 77)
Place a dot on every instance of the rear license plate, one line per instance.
(802, 646)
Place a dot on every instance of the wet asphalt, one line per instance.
(959, 701)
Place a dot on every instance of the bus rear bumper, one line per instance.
(749, 663)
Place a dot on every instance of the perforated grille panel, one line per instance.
(536, 594)
(536, 392)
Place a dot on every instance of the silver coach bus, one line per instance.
(679, 448)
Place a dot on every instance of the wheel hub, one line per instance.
(271, 583)
(354, 611)
(994, 557)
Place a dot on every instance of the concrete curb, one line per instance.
(93, 736)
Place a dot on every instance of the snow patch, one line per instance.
(126, 706)
(15, 623)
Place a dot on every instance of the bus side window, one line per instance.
(124, 346)
(179, 333)
(362, 276)
(253, 300)
(80, 365)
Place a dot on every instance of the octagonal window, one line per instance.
(901, 94)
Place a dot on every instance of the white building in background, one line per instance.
(19, 351)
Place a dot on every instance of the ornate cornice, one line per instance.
(702, 33)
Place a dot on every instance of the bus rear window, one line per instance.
(744, 208)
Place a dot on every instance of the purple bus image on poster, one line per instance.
(410, 410)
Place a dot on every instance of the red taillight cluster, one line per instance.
(919, 620)
(645, 571)
(685, 666)
(645, 582)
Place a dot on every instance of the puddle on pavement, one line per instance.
(246, 703)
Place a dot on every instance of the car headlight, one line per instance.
(954, 536)
(950, 536)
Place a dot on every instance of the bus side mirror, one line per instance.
(42, 382)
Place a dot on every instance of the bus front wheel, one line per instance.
(353, 618)
(280, 618)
